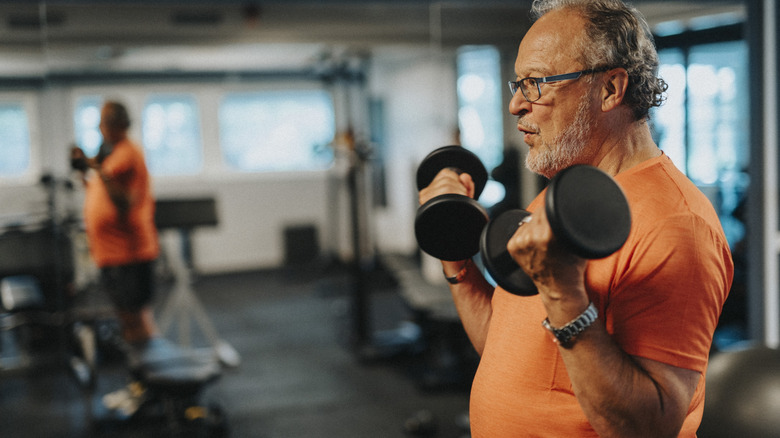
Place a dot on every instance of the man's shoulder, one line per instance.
(660, 180)
(659, 191)
(125, 157)
(128, 145)
(126, 149)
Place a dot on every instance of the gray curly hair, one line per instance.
(618, 36)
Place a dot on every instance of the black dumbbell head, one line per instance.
(587, 211)
(498, 263)
(456, 157)
(448, 227)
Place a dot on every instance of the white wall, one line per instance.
(253, 213)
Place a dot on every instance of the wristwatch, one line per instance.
(566, 334)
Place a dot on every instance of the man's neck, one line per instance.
(626, 148)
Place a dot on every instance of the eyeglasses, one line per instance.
(531, 87)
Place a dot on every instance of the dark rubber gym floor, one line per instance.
(300, 373)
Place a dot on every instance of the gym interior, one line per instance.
(283, 139)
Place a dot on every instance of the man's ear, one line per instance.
(614, 90)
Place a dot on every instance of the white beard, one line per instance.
(566, 149)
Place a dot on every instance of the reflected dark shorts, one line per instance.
(130, 287)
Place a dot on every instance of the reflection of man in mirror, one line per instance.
(119, 216)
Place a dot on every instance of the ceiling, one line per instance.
(67, 35)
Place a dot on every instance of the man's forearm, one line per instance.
(472, 297)
(619, 395)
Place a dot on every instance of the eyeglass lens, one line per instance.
(528, 86)
(530, 89)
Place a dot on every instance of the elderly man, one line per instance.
(586, 79)
(119, 216)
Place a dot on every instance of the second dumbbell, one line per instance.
(449, 226)
(587, 212)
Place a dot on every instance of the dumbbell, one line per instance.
(588, 214)
(449, 226)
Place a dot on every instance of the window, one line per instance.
(480, 112)
(14, 141)
(701, 125)
(718, 95)
(669, 121)
(277, 130)
(87, 122)
(171, 135)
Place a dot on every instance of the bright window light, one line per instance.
(172, 136)
(14, 141)
(480, 111)
(277, 130)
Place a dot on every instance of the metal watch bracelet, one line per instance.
(566, 335)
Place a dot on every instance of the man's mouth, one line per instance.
(526, 128)
(527, 131)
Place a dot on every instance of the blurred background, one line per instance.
(299, 126)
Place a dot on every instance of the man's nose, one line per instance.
(518, 105)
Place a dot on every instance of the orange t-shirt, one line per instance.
(111, 241)
(660, 297)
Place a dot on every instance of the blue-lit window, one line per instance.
(87, 124)
(669, 120)
(172, 136)
(14, 140)
(701, 125)
(277, 130)
(480, 111)
(718, 105)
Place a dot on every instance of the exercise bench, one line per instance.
(170, 380)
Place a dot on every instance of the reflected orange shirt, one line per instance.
(660, 297)
(113, 242)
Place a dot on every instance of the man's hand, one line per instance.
(448, 181)
(78, 161)
(557, 273)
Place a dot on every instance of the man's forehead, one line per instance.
(545, 60)
(549, 43)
